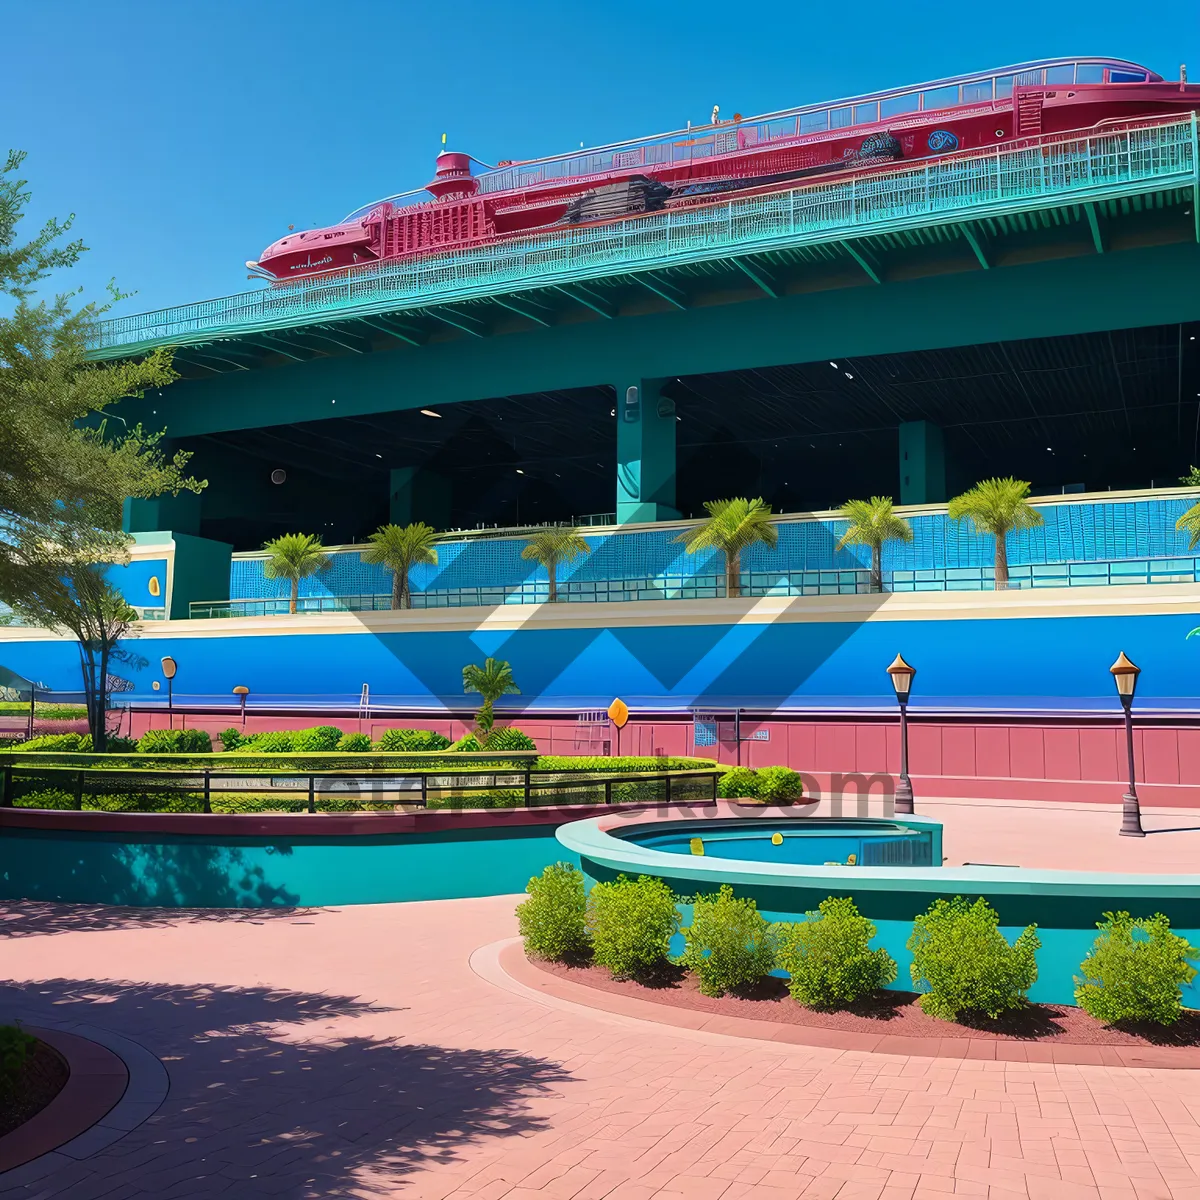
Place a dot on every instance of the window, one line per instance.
(1061, 74)
(782, 128)
(893, 106)
(839, 118)
(1089, 73)
(1126, 76)
(1003, 87)
(943, 97)
(816, 122)
(975, 93)
(864, 114)
(1029, 78)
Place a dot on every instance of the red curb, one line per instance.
(512, 962)
(97, 1080)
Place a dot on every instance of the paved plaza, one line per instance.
(359, 1052)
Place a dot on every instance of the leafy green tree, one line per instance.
(1189, 523)
(552, 546)
(78, 599)
(491, 681)
(1192, 478)
(295, 556)
(399, 548)
(872, 523)
(732, 526)
(65, 471)
(997, 506)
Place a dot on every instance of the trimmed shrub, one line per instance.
(626, 764)
(829, 957)
(15, 1048)
(631, 922)
(120, 745)
(738, 783)
(231, 738)
(509, 738)
(175, 741)
(778, 784)
(552, 921)
(468, 744)
(354, 743)
(276, 741)
(320, 739)
(409, 740)
(63, 743)
(1135, 971)
(729, 943)
(963, 963)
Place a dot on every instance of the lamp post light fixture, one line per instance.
(241, 692)
(169, 668)
(1125, 676)
(902, 676)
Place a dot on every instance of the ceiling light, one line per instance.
(379, 456)
(833, 365)
(848, 375)
(612, 412)
(519, 471)
(428, 412)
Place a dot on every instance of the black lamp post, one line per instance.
(902, 676)
(1125, 676)
(169, 667)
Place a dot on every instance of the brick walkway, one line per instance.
(356, 1053)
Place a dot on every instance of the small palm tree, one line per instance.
(294, 556)
(732, 526)
(1189, 523)
(995, 506)
(554, 545)
(491, 681)
(400, 548)
(872, 523)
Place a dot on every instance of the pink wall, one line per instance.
(1012, 759)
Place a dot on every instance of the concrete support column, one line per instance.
(418, 494)
(178, 513)
(645, 452)
(922, 463)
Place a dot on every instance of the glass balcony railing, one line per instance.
(709, 587)
(1017, 177)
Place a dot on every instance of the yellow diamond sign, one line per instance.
(618, 713)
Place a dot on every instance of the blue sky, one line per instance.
(187, 135)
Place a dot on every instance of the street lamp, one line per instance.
(241, 692)
(1125, 676)
(902, 676)
(169, 667)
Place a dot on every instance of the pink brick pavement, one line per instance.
(355, 1052)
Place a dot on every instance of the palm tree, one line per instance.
(1189, 523)
(995, 506)
(400, 548)
(732, 526)
(493, 680)
(553, 545)
(871, 523)
(294, 556)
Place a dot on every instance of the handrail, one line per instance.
(366, 788)
(969, 185)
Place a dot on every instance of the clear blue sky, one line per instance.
(188, 134)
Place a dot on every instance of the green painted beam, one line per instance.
(760, 276)
(459, 320)
(1094, 225)
(589, 299)
(525, 308)
(660, 287)
(865, 259)
(978, 244)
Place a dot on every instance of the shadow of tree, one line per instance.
(276, 1092)
(29, 918)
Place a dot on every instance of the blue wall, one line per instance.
(1080, 532)
(1036, 663)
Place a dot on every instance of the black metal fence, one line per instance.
(258, 790)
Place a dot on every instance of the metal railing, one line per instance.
(75, 788)
(1023, 175)
(758, 583)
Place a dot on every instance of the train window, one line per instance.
(1089, 73)
(1003, 86)
(1126, 76)
(864, 114)
(943, 97)
(816, 122)
(1029, 78)
(974, 93)
(782, 128)
(1061, 74)
(893, 106)
(839, 118)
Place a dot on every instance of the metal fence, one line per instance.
(248, 791)
(1017, 177)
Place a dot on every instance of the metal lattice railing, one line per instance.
(1019, 177)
